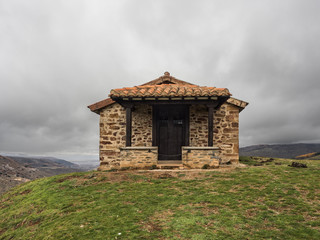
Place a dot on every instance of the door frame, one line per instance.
(155, 124)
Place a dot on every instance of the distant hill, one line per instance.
(44, 162)
(280, 150)
(16, 170)
(13, 173)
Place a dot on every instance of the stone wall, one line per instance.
(112, 136)
(198, 126)
(138, 157)
(142, 125)
(200, 157)
(226, 130)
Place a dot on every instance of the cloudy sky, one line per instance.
(59, 56)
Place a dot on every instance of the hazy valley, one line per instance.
(16, 170)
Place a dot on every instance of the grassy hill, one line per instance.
(272, 201)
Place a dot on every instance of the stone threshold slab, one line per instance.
(173, 162)
(200, 148)
(138, 148)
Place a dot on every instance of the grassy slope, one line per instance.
(271, 201)
(317, 157)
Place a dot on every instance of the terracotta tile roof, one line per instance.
(98, 105)
(168, 90)
(164, 86)
(166, 78)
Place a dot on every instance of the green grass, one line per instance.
(259, 202)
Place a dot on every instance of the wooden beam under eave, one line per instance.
(210, 125)
(154, 125)
(128, 125)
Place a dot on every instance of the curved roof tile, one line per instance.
(168, 90)
(164, 86)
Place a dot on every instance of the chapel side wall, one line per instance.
(142, 126)
(198, 121)
(226, 130)
(112, 136)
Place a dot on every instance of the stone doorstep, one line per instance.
(169, 164)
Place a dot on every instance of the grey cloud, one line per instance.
(57, 57)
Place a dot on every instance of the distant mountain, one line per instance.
(13, 173)
(12, 168)
(280, 150)
(84, 164)
(15, 170)
(58, 160)
(44, 161)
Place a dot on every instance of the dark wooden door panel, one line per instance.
(171, 131)
(163, 146)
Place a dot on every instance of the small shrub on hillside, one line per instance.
(206, 166)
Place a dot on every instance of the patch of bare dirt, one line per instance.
(99, 177)
(206, 209)
(28, 223)
(252, 212)
(25, 192)
(165, 175)
(311, 218)
(261, 187)
(157, 221)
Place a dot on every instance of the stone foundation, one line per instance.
(138, 157)
(200, 157)
(109, 159)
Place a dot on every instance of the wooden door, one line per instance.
(171, 130)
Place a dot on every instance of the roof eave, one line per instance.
(98, 106)
(238, 103)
